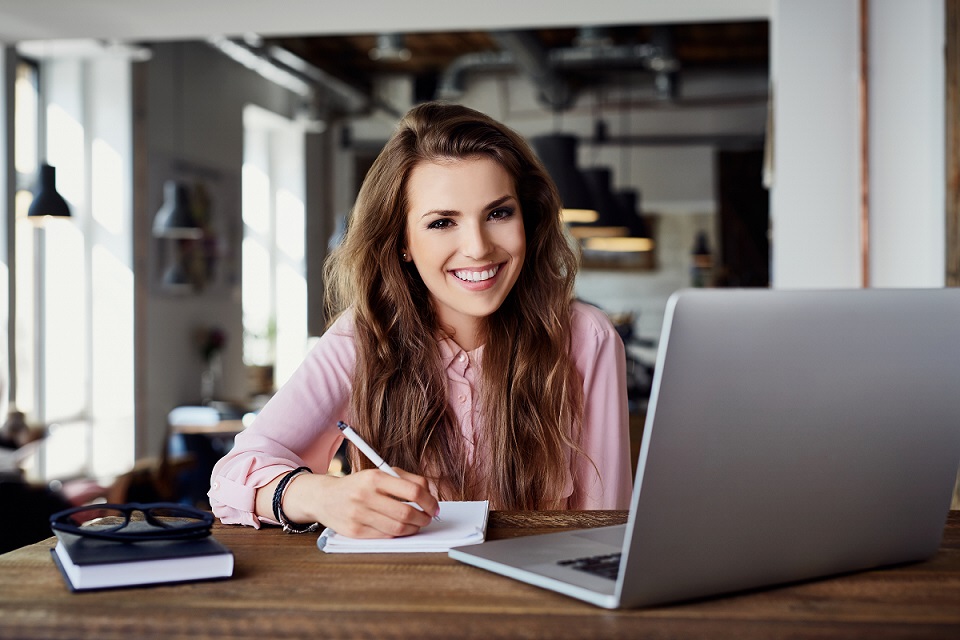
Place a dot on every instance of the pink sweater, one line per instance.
(297, 427)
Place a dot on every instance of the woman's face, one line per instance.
(465, 236)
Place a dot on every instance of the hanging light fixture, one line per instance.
(175, 217)
(46, 201)
(558, 153)
(610, 220)
(630, 205)
(620, 209)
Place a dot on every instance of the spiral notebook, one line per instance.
(461, 523)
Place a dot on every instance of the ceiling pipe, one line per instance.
(534, 60)
(390, 48)
(592, 48)
(451, 83)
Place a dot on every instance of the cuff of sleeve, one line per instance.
(223, 492)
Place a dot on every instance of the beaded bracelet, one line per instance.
(279, 515)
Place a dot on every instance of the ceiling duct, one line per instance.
(593, 48)
(534, 60)
(451, 83)
(667, 79)
(390, 48)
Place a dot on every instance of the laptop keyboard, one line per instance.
(606, 565)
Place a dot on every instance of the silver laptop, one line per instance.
(790, 435)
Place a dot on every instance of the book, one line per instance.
(86, 563)
(461, 523)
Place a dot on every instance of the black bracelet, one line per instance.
(279, 515)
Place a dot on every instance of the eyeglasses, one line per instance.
(160, 521)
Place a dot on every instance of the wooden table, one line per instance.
(283, 587)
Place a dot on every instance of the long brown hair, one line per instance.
(530, 394)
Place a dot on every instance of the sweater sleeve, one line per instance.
(603, 475)
(297, 427)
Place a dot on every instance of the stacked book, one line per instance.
(88, 563)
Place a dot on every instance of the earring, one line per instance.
(403, 256)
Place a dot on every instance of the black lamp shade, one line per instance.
(558, 153)
(46, 201)
(598, 181)
(175, 218)
(630, 205)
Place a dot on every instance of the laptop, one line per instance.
(790, 435)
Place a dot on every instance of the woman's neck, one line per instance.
(465, 337)
(464, 342)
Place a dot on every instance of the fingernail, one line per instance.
(437, 512)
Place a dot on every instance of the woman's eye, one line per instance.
(500, 214)
(440, 223)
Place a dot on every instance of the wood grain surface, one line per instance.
(283, 587)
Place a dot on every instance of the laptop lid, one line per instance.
(789, 435)
(792, 435)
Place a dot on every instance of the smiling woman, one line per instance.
(457, 352)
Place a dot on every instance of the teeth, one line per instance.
(477, 276)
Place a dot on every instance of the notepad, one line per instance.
(461, 523)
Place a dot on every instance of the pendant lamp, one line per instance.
(175, 218)
(47, 202)
(610, 216)
(620, 209)
(558, 153)
(629, 200)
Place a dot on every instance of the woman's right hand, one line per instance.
(364, 504)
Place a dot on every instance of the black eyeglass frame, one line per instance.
(62, 521)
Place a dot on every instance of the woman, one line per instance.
(457, 352)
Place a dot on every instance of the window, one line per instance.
(274, 271)
(74, 279)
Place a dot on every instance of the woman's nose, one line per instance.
(477, 243)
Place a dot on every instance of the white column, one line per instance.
(907, 138)
(815, 195)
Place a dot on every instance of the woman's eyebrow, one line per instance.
(451, 213)
(446, 213)
(499, 201)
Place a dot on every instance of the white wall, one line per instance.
(815, 199)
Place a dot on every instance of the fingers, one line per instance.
(394, 520)
(372, 504)
(422, 496)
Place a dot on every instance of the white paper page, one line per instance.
(461, 523)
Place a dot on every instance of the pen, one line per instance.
(372, 455)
